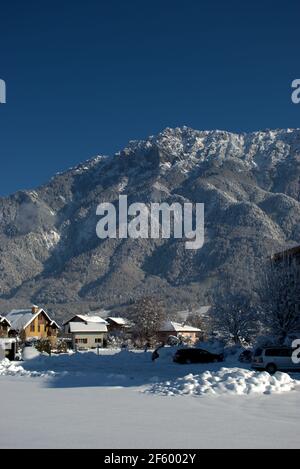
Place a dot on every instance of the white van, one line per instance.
(272, 359)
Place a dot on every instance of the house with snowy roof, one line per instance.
(5, 326)
(32, 324)
(181, 331)
(88, 335)
(117, 325)
(87, 331)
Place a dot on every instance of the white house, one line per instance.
(88, 335)
(87, 331)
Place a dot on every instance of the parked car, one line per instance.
(272, 359)
(196, 355)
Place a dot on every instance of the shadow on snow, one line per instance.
(121, 369)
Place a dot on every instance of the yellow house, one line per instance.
(34, 323)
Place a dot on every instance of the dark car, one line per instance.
(196, 355)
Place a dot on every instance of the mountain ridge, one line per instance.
(249, 183)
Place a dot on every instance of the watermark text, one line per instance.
(153, 220)
(2, 92)
(296, 92)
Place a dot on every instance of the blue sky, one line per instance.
(84, 77)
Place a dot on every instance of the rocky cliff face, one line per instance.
(250, 184)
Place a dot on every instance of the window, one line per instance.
(39, 328)
(81, 341)
(98, 341)
(286, 352)
(278, 352)
(272, 352)
(32, 327)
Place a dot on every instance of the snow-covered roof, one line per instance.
(89, 327)
(92, 318)
(3, 319)
(119, 321)
(54, 323)
(88, 318)
(170, 326)
(21, 318)
(6, 340)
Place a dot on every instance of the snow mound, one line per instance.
(235, 381)
(29, 353)
(8, 368)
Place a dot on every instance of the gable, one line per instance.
(73, 319)
(40, 315)
(4, 322)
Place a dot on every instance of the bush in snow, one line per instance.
(62, 346)
(44, 345)
(122, 340)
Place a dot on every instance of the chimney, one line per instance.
(34, 309)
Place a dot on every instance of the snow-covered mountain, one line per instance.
(250, 184)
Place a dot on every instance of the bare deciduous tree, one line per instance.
(234, 319)
(280, 297)
(147, 315)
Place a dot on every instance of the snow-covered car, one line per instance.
(273, 359)
(196, 355)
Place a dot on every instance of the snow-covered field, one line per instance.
(123, 400)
